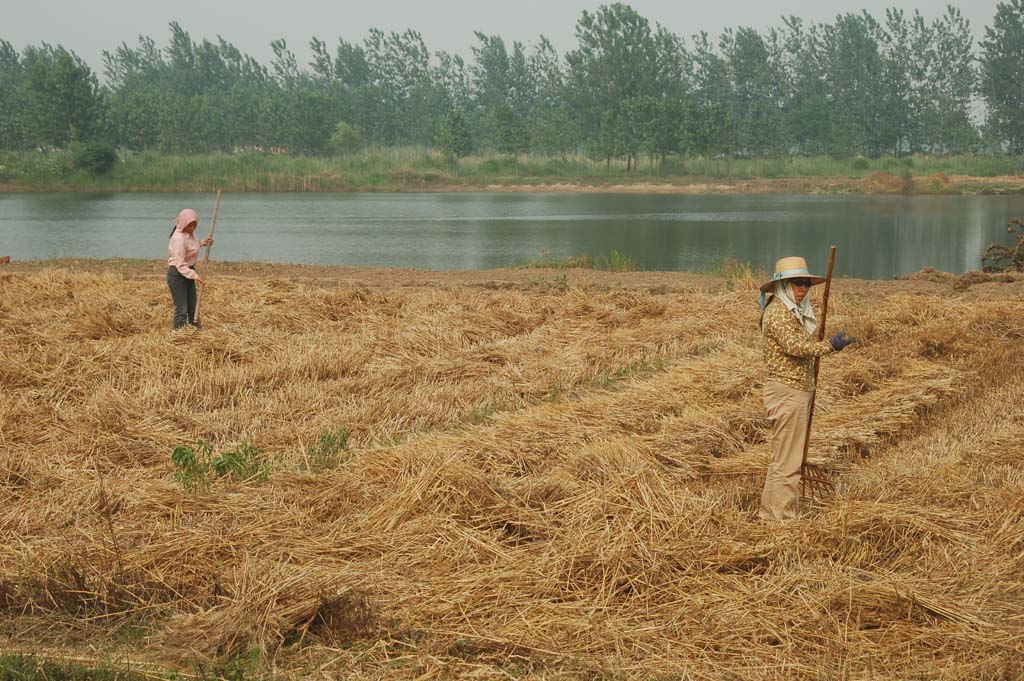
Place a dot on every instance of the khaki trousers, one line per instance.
(787, 412)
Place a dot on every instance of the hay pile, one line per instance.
(547, 482)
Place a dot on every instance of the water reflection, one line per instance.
(878, 237)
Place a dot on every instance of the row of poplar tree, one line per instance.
(629, 90)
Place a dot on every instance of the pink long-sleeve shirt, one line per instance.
(183, 250)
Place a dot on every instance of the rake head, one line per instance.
(814, 481)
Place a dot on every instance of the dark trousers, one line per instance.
(183, 292)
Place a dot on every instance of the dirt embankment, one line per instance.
(876, 183)
(545, 474)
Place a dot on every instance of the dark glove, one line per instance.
(840, 341)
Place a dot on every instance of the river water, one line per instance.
(877, 236)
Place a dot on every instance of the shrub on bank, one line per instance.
(1003, 257)
(96, 158)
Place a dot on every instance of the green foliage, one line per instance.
(544, 260)
(243, 463)
(619, 61)
(345, 140)
(13, 96)
(395, 168)
(552, 128)
(513, 135)
(32, 668)
(192, 466)
(736, 274)
(62, 97)
(329, 451)
(43, 168)
(629, 90)
(196, 467)
(455, 139)
(239, 667)
(617, 262)
(93, 157)
(1001, 65)
(613, 262)
(898, 164)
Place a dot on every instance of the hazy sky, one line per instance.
(89, 27)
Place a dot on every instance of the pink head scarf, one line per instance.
(184, 218)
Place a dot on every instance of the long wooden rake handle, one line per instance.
(206, 258)
(821, 337)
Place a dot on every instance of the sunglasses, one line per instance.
(804, 283)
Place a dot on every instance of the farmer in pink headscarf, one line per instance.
(182, 278)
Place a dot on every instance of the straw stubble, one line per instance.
(540, 482)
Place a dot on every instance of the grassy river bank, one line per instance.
(521, 473)
(413, 169)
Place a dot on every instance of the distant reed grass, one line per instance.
(737, 274)
(415, 168)
(613, 262)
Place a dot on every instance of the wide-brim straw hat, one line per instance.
(791, 267)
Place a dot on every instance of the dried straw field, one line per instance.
(547, 475)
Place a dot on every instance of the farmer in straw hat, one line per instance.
(787, 325)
